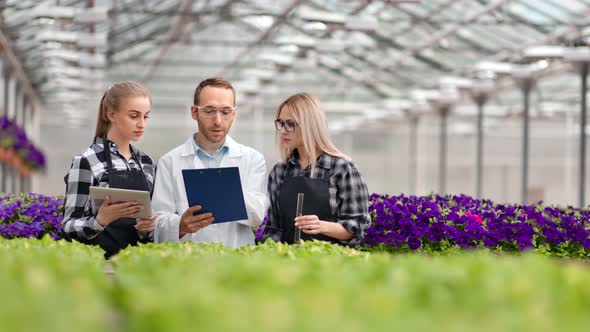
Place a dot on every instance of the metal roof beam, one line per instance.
(420, 57)
(281, 19)
(369, 85)
(19, 71)
(521, 20)
(115, 12)
(541, 12)
(363, 59)
(175, 31)
(152, 36)
(391, 43)
(451, 30)
(552, 38)
(434, 24)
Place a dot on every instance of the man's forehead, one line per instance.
(216, 95)
(217, 90)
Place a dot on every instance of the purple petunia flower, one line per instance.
(260, 229)
(414, 243)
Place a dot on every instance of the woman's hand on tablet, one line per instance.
(109, 212)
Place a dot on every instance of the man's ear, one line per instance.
(194, 112)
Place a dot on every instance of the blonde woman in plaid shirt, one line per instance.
(336, 204)
(111, 161)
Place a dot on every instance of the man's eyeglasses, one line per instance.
(289, 125)
(211, 112)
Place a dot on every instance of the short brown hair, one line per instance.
(217, 82)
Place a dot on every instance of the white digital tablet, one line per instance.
(98, 194)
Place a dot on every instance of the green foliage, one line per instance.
(315, 286)
(49, 285)
(319, 287)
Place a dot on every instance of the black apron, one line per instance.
(120, 233)
(316, 201)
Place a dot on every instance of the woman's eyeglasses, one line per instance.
(289, 125)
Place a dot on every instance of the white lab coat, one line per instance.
(169, 198)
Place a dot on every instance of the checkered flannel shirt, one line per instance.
(349, 197)
(89, 169)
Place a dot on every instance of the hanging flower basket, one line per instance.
(17, 151)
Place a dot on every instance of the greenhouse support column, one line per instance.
(35, 119)
(2, 90)
(19, 106)
(568, 166)
(413, 166)
(22, 183)
(259, 127)
(14, 181)
(583, 120)
(3, 168)
(10, 179)
(10, 97)
(442, 167)
(19, 117)
(3, 177)
(526, 85)
(480, 100)
(27, 126)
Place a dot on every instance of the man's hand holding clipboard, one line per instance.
(215, 195)
(191, 221)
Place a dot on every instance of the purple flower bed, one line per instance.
(438, 223)
(399, 223)
(30, 215)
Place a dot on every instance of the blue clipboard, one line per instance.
(216, 190)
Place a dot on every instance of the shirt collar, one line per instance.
(113, 146)
(234, 149)
(323, 160)
(224, 148)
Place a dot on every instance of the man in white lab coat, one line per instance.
(214, 110)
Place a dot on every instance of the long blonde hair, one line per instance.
(113, 98)
(305, 108)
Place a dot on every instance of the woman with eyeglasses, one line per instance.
(335, 201)
(111, 161)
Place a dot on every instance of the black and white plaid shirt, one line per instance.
(349, 197)
(89, 169)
